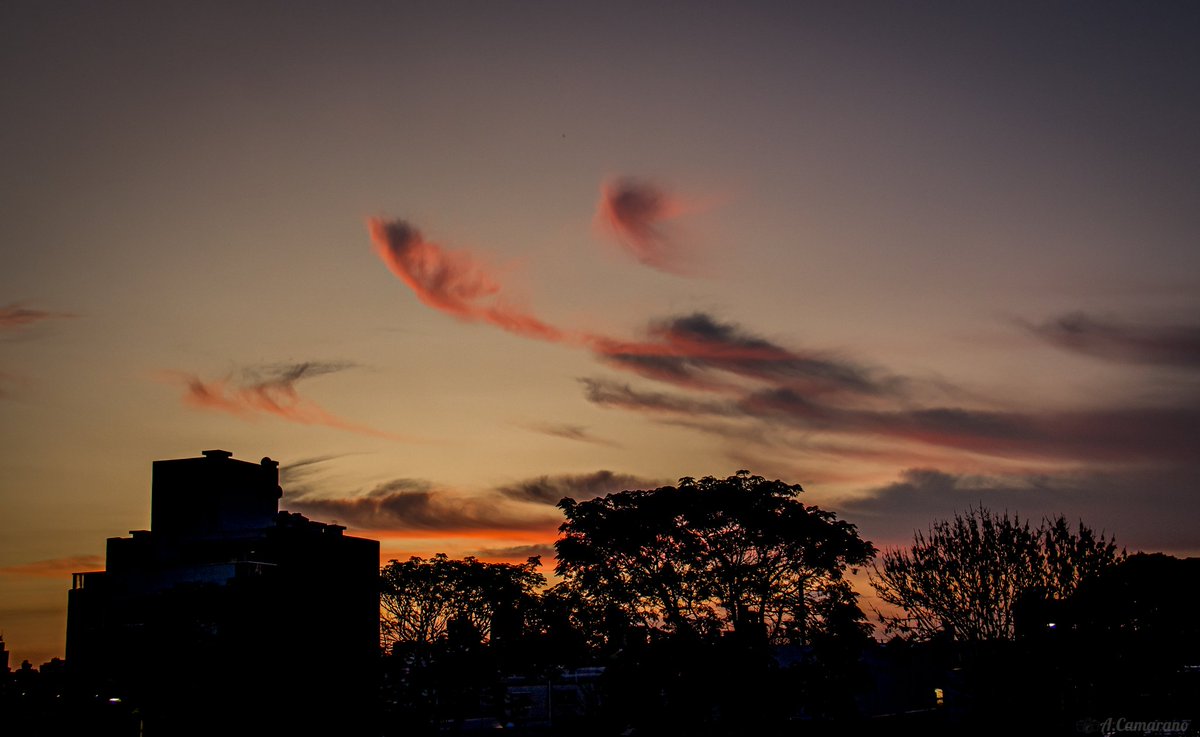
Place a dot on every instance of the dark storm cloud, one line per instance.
(551, 489)
(1121, 342)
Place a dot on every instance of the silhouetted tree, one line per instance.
(425, 600)
(740, 554)
(694, 583)
(968, 575)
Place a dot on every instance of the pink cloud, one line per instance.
(454, 282)
(270, 391)
(636, 214)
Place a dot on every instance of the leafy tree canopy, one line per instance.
(740, 553)
(422, 599)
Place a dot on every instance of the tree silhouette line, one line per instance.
(724, 606)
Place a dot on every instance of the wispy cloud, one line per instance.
(454, 282)
(56, 567)
(1123, 342)
(731, 382)
(297, 477)
(15, 316)
(518, 553)
(552, 489)
(270, 390)
(413, 507)
(694, 351)
(1105, 434)
(416, 505)
(688, 350)
(608, 393)
(567, 431)
(637, 214)
(15, 322)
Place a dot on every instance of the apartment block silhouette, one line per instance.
(230, 616)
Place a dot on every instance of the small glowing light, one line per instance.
(1051, 625)
(939, 695)
(114, 700)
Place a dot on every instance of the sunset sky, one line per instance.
(449, 262)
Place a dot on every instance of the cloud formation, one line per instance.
(733, 383)
(568, 431)
(1106, 434)
(414, 505)
(15, 316)
(680, 349)
(517, 553)
(1143, 506)
(1122, 342)
(608, 393)
(15, 321)
(692, 351)
(454, 282)
(552, 489)
(636, 213)
(270, 390)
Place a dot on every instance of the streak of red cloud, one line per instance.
(458, 284)
(271, 391)
(636, 213)
(454, 282)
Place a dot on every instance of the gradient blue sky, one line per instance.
(913, 256)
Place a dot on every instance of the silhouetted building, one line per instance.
(230, 616)
(3, 656)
